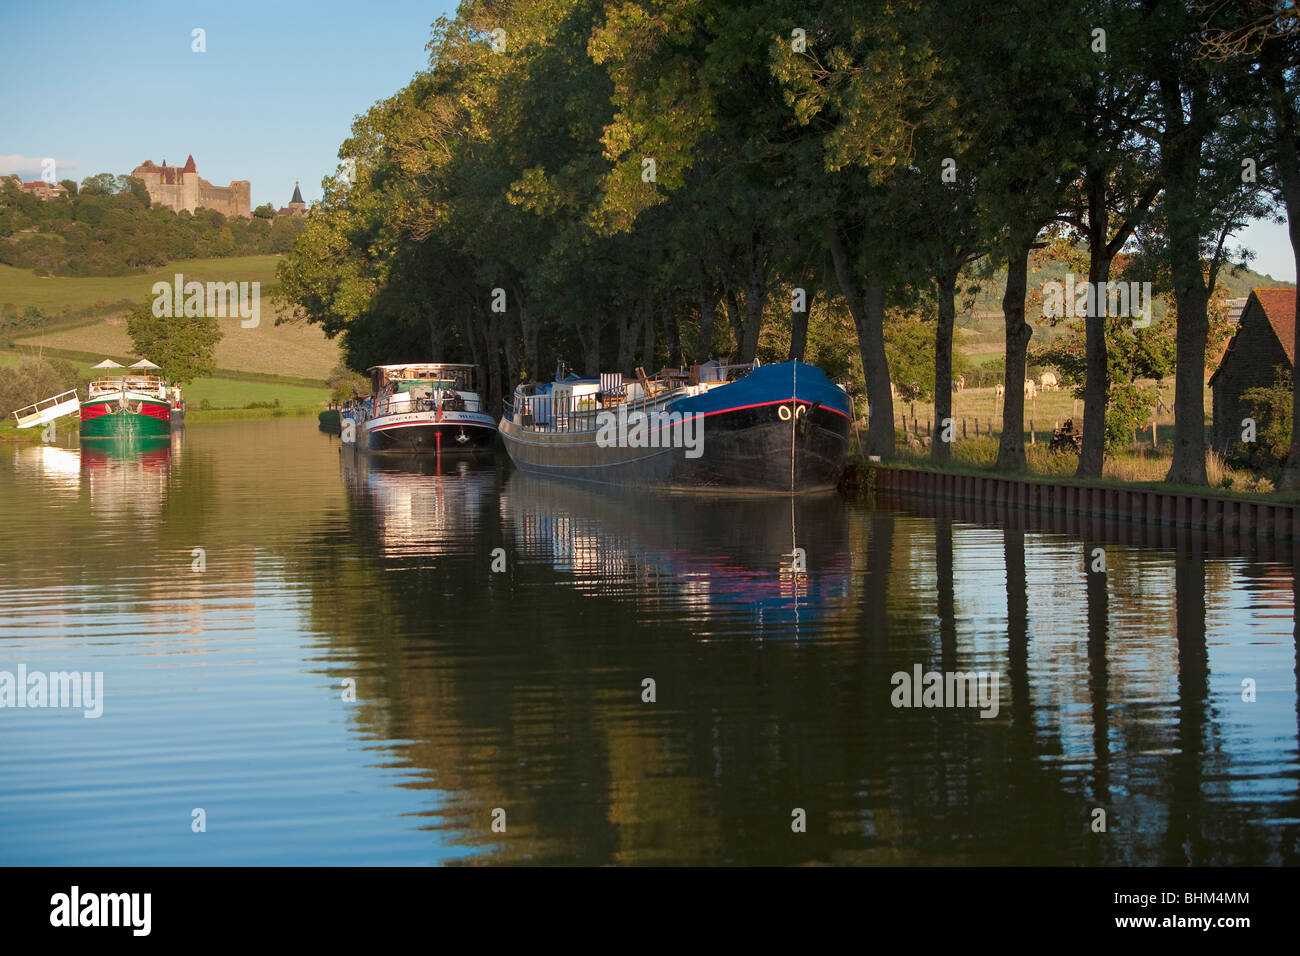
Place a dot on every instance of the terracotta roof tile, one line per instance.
(1279, 306)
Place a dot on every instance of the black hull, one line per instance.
(744, 450)
(433, 438)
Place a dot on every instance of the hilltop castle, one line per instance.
(181, 187)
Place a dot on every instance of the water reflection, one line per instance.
(128, 476)
(775, 565)
(499, 631)
(421, 506)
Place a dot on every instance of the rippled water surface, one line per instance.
(517, 695)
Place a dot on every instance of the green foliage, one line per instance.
(1130, 407)
(344, 383)
(108, 228)
(909, 345)
(33, 379)
(264, 211)
(184, 346)
(1272, 410)
(677, 167)
(1134, 358)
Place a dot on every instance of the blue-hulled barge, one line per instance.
(779, 429)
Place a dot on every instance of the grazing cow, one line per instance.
(999, 390)
(1030, 388)
(1047, 381)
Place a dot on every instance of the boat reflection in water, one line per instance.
(129, 474)
(422, 506)
(719, 564)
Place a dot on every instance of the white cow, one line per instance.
(999, 390)
(1047, 381)
(1030, 388)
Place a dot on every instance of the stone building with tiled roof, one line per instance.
(1265, 340)
(181, 187)
(296, 205)
(40, 188)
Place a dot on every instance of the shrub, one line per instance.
(34, 379)
(1271, 409)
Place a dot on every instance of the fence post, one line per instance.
(1031, 432)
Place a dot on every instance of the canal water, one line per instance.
(313, 657)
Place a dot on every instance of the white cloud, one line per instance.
(29, 167)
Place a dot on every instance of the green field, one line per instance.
(53, 294)
(296, 350)
(223, 393)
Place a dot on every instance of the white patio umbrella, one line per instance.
(145, 363)
(108, 363)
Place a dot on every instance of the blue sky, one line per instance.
(102, 86)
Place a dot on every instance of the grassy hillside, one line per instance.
(53, 294)
(298, 350)
(980, 328)
(217, 392)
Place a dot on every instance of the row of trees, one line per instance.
(624, 182)
(108, 228)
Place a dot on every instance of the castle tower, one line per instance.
(296, 206)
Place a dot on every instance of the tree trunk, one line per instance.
(492, 354)
(708, 309)
(589, 336)
(1096, 386)
(755, 299)
(629, 330)
(735, 317)
(1188, 466)
(1011, 447)
(675, 352)
(1181, 162)
(799, 325)
(1288, 167)
(529, 325)
(512, 348)
(868, 309)
(946, 286)
(437, 338)
(469, 320)
(648, 344)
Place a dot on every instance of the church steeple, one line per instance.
(297, 195)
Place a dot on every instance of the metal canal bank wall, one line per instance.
(1233, 517)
